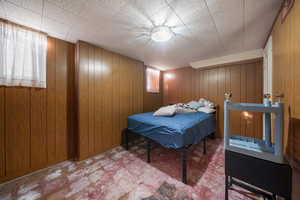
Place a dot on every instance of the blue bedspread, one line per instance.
(173, 132)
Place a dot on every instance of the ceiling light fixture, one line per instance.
(161, 34)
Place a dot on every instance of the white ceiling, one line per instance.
(203, 28)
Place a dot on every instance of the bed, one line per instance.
(176, 132)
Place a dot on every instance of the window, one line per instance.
(152, 76)
(22, 56)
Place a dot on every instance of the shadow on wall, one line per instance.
(291, 150)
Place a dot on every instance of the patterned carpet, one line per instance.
(122, 175)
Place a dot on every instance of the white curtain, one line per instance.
(152, 80)
(22, 56)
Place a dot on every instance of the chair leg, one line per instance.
(204, 146)
(126, 140)
(212, 136)
(148, 151)
(226, 187)
(184, 165)
(230, 181)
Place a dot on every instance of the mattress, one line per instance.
(175, 132)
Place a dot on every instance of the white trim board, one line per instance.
(247, 55)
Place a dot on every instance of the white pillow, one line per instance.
(165, 111)
(206, 110)
(206, 103)
(202, 101)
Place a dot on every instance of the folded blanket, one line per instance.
(184, 108)
(206, 109)
(203, 105)
(194, 104)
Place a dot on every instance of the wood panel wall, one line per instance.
(286, 77)
(110, 88)
(243, 79)
(36, 124)
(178, 85)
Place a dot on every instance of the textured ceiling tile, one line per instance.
(202, 28)
(74, 35)
(129, 33)
(58, 14)
(33, 5)
(184, 33)
(257, 27)
(75, 7)
(184, 9)
(166, 62)
(201, 23)
(203, 32)
(22, 16)
(55, 28)
(101, 9)
(230, 25)
(14, 13)
(2, 9)
(140, 15)
(166, 16)
(133, 19)
(78, 32)
(146, 8)
(170, 54)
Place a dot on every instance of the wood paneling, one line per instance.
(124, 93)
(110, 88)
(61, 74)
(38, 137)
(71, 100)
(2, 131)
(35, 123)
(178, 85)
(116, 140)
(59, 84)
(107, 77)
(99, 115)
(235, 87)
(286, 77)
(243, 79)
(51, 111)
(17, 129)
(37, 126)
(83, 100)
(91, 98)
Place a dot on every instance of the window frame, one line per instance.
(148, 89)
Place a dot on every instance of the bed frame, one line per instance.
(183, 151)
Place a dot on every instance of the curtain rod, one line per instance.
(22, 26)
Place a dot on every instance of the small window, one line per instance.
(22, 56)
(152, 76)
